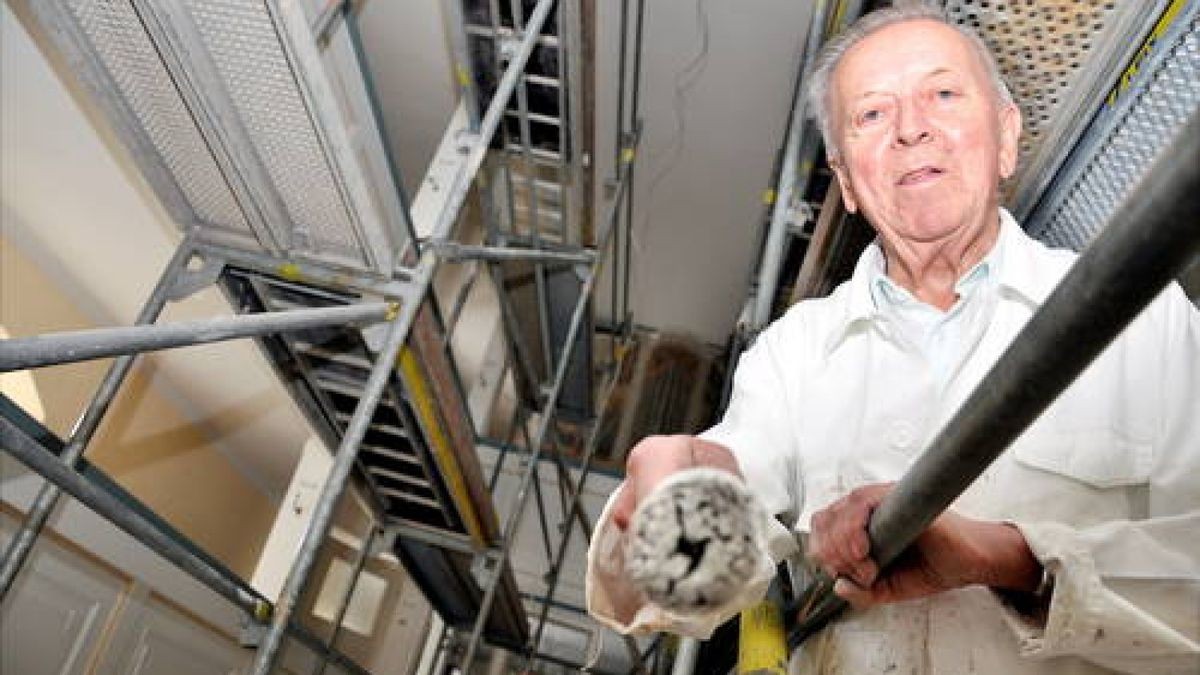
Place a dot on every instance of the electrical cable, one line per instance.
(684, 80)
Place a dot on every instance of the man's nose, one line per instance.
(913, 126)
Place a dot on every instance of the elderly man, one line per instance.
(1079, 549)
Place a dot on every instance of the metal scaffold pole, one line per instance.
(297, 578)
(795, 170)
(575, 511)
(513, 526)
(98, 343)
(85, 427)
(27, 450)
(335, 484)
(361, 556)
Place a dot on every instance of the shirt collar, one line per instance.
(1010, 262)
(888, 295)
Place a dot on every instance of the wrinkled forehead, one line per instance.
(909, 50)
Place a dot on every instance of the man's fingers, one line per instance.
(623, 508)
(865, 572)
(839, 542)
(857, 596)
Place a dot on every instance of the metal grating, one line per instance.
(238, 119)
(242, 42)
(145, 86)
(1119, 148)
(1056, 56)
(1039, 47)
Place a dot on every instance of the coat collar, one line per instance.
(1014, 256)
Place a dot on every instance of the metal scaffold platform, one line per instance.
(257, 126)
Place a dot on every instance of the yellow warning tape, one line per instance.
(762, 648)
(464, 76)
(426, 410)
(768, 196)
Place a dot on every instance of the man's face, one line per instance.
(923, 141)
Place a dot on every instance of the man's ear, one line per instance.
(843, 179)
(1010, 136)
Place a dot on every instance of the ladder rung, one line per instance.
(542, 212)
(337, 357)
(377, 426)
(542, 80)
(393, 454)
(534, 117)
(540, 156)
(521, 185)
(487, 31)
(400, 477)
(408, 497)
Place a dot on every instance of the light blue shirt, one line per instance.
(937, 335)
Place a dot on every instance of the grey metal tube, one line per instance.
(576, 509)
(308, 639)
(360, 561)
(339, 475)
(304, 272)
(686, 656)
(453, 251)
(513, 526)
(491, 119)
(32, 454)
(47, 497)
(789, 175)
(464, 71)
(82, 345)
(323, 24)
(635, 128)
(1151, 239)
(531, 172)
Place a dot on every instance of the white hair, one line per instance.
(820, 80)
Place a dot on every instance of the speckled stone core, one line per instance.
(693, 543)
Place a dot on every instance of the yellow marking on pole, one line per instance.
(627, 156)
(263, 611)
(464, 76)
(290, 272)
(768, 196)
(762, 648)
(439, 443)
(1160, 27)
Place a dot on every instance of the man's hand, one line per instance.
(955, 551)
(655, 458)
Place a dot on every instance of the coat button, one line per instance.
(903, 435)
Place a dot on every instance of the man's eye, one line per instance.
(946, 94)
(869, 116)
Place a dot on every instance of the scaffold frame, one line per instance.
(393, 301)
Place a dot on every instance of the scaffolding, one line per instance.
(331, 269)
(307, 232)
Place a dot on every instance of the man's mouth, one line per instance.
(920, 175)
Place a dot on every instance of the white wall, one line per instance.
(698, 198)
(406, 47)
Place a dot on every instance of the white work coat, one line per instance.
(1105, 485)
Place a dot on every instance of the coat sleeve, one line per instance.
(1126, 594)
